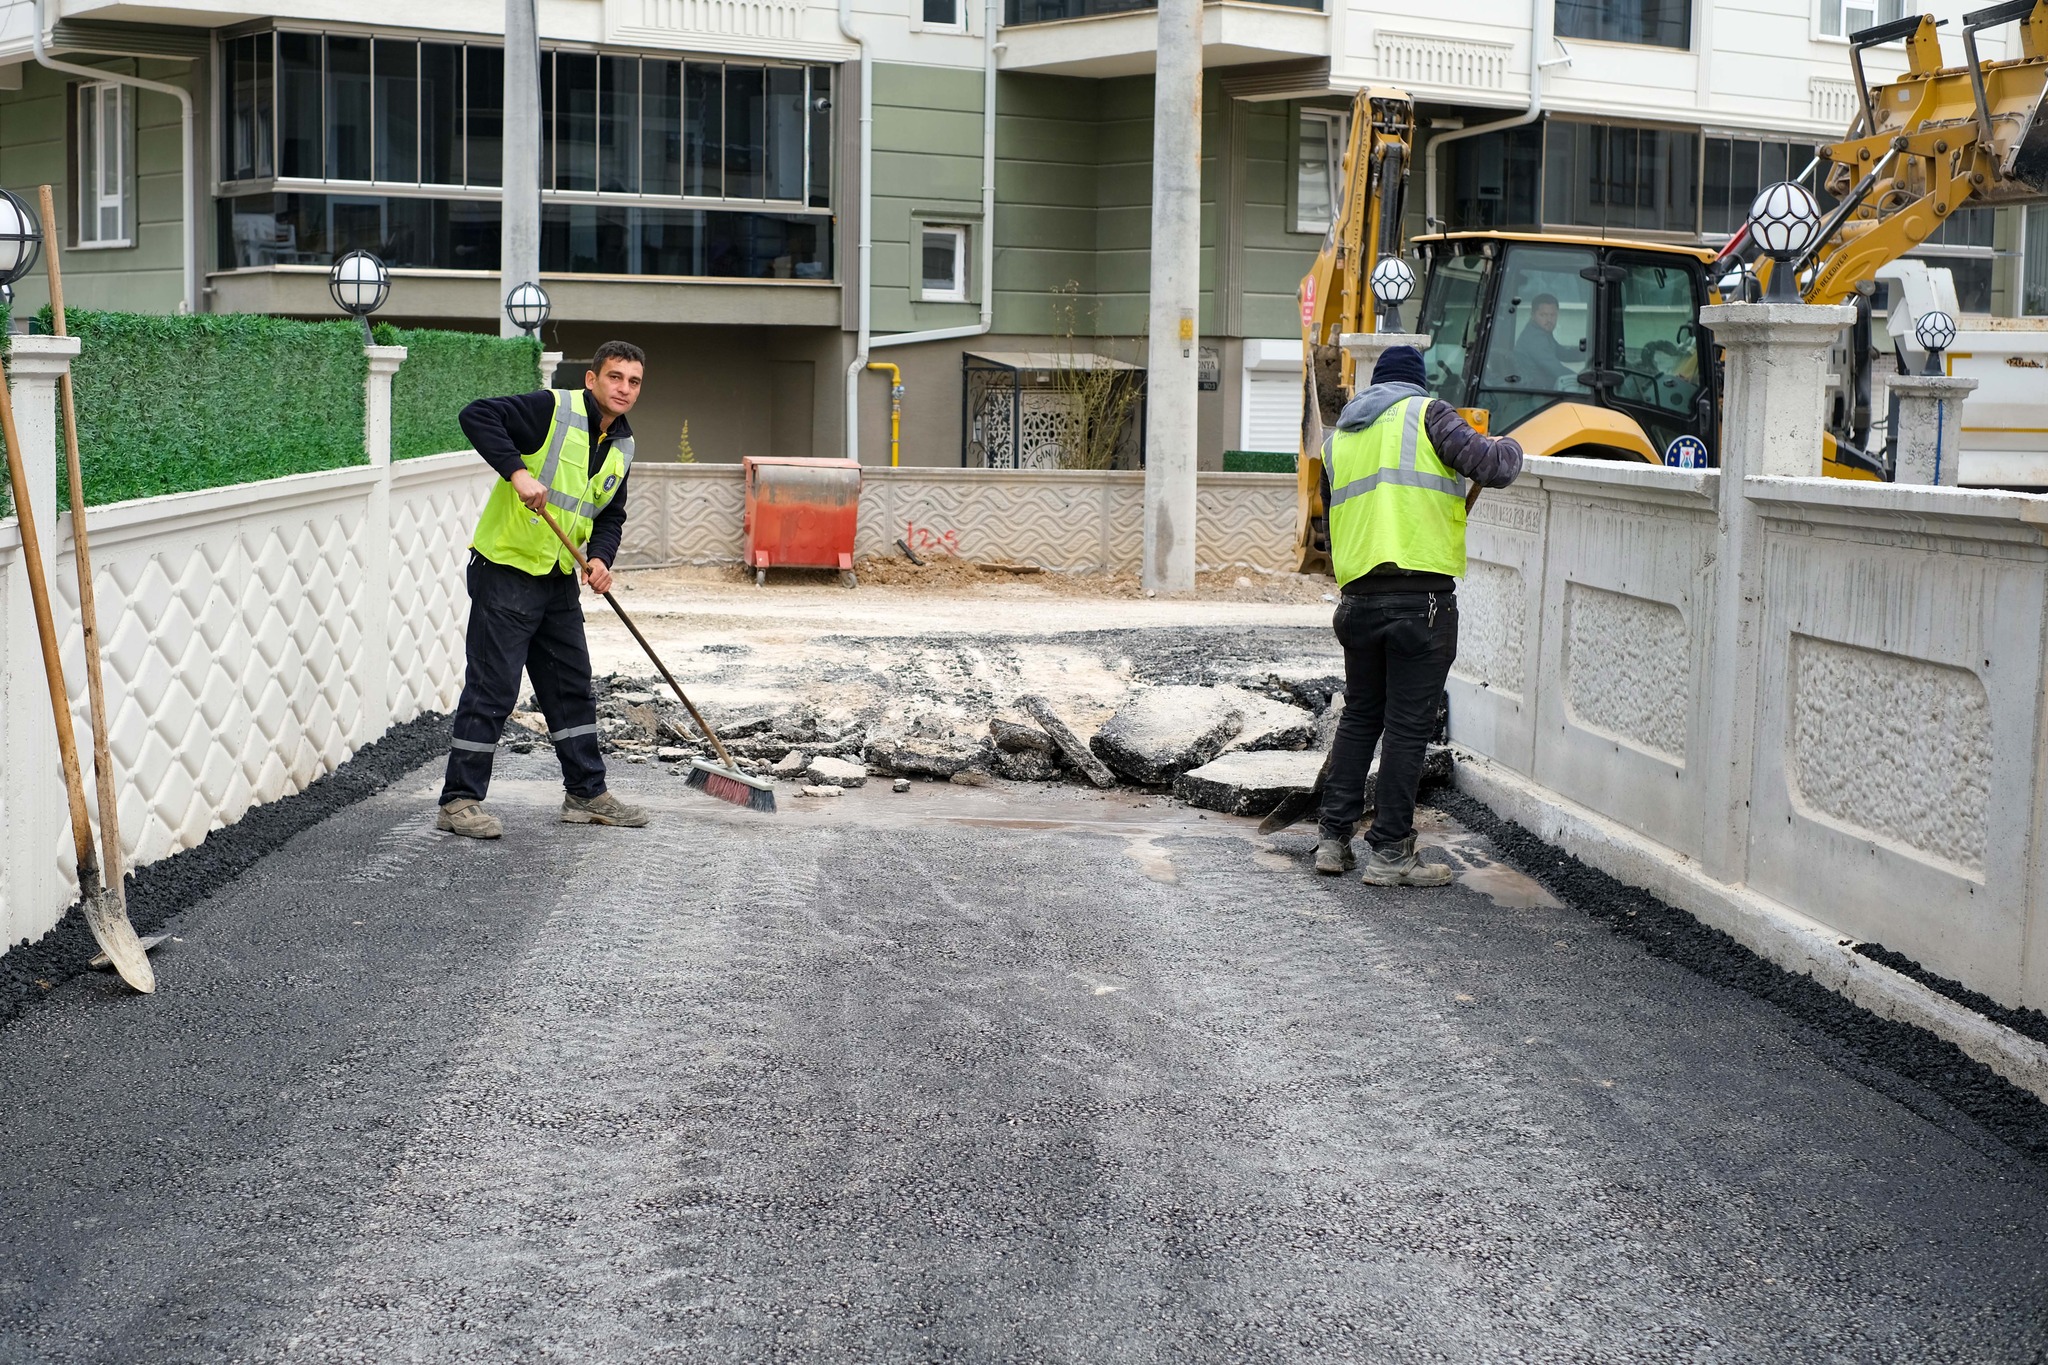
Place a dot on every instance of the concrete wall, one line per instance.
(1076, 520)
(1896, 792)
(254, 638)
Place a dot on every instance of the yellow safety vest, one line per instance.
(1392, 501)
(508, 533)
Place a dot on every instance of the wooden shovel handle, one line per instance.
(695, 714)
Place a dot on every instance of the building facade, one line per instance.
(739, 184)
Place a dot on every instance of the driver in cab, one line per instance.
(1544, 361)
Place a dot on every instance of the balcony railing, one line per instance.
(1046, 11)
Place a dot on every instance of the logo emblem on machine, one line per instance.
(1686, 452)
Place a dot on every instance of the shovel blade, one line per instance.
(108, 920)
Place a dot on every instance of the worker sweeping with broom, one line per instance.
(571, 451)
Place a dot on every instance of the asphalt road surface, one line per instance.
(959, 1075)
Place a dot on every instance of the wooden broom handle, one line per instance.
(677, 687)
(88, 609)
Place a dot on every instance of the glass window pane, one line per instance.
(746, 131)
(1743, 182)
(703, 128)
(941, 11)
(348, 108)
(1541, 332)
(821, 137)
(661, 126)
(1660, 23)
(548, 109)
(618, 125)
(398, 110)
(484, 119)
(941, 273)
(1451, 315)
(88, 161)
(785, 141)
(299, 105)
(2034, 263)
(1714, 215)
(575, 121)
(1313, 193)
(441, 113)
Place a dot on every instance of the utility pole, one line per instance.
(519, 242)
(1172, 359)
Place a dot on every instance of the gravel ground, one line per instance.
(962, 1074)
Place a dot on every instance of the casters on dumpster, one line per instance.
(760, 578)
(847, 579)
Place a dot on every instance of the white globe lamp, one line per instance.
(1393, 284)
(1784, 221)
(1935, 330)
(528, 306)
(359, 283)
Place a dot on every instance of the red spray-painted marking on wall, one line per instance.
(924, 540)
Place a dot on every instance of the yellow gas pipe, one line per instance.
(895, 373)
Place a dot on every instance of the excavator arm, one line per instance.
(1365, 223)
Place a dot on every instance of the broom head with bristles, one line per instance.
(738, 788)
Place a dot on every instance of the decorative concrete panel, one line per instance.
(1493, 611)
(433, 514)
(1897, 749)
(1060, 519)
(232, 660)
(1626, 668)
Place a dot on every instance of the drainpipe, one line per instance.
(191, 148)
(1540, 37)
(895, 373)
(866, 341)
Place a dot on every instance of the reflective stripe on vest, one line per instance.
(1405, 508)
(508, 533)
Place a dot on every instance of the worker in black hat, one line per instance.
(1396, 471)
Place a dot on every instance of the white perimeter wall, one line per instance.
(1897, 792)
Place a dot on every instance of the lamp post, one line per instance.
(1935, 330)
(528, 307)
(1785, 221)
(358, 284)
(1393, 283)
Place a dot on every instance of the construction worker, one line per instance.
(569, 450)
(1395, 483)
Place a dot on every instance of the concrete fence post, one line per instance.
(1366, 348)
(1772, 423)
(550, 361)
(32, 805)
(1929, 426)
(377, 543)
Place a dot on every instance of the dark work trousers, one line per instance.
(518, 621)
(1398, 648)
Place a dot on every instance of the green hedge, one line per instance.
(442, 372)
(174, 404)
(1257, 462)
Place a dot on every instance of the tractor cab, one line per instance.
(1576, 346)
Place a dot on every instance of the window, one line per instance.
(1736, 169)
(1540, 339)
(104, 152)
(1654, 23)
(2034, 263)
(1495, 178)
(941, 13)
(1840, 18)
(1318, 168)
(1964, 246)
(329, 138)
(943, 251)
(1638, 179)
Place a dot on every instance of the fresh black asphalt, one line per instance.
(960, 1075)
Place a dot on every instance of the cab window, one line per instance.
(1538, 344)
(1451, 315)
(1656, 338)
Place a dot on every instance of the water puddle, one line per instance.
(1152, 860)
(1479, 870)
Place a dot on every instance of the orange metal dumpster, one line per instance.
(801, 514)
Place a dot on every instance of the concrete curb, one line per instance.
(1766, 927)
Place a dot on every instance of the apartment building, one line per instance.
(703, 177)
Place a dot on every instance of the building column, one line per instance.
(1928, 430)
(1772, 424)
(34, 811)
(378, 550)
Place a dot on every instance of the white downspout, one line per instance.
(1540, 34)
(867, 342)
(190, 189)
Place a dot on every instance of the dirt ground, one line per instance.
(953, 638)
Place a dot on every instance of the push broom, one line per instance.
(722, 779)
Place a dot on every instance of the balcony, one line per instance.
(1018, 12)
(1103, 38)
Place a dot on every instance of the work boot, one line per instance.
(1397, 865)
(1334, 857)
(602, 809)
(467, 817)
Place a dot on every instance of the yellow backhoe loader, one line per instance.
(1591, 346)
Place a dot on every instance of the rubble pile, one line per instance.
(1238, 747)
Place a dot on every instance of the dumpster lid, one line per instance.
(1051, 360)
